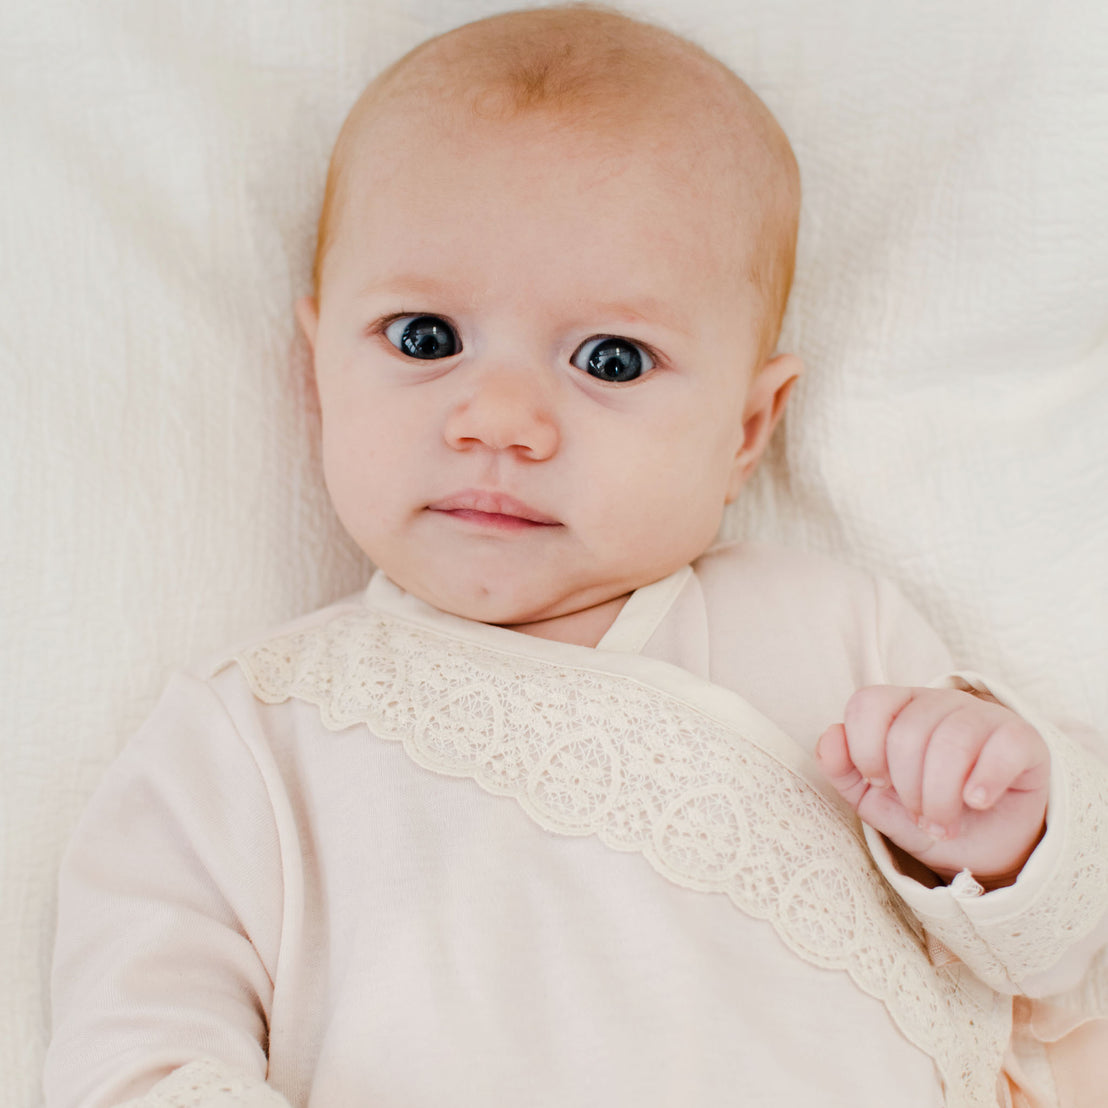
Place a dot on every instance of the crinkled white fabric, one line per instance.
(209, 1083)
(710, 802)
(163, 165)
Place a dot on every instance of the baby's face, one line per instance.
(534, 352)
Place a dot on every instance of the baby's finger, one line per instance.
(866, 720)
(834, 758)
(909, 737)
(952, 753)
(1014, 757)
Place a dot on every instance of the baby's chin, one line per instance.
(494, 608)
(580, 618)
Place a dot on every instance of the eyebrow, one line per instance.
(646, 309)
(406, 284)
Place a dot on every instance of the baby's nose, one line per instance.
(505, 409)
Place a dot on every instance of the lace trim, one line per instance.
(588, 753)
(207, 1083)
(1077, 895)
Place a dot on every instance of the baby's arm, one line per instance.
(1031, 915)
(1033, 911)
(169, 917)
(954, 780)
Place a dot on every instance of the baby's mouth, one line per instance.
(491, 509)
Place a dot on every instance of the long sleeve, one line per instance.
(1039, 935)
(207, 1083)
(169, 912)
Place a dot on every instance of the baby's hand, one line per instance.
(956, 781)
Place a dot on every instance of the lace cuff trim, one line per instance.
(1012, 934)
(589, 752)
(207, 1083)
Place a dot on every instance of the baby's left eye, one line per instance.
(610, 358)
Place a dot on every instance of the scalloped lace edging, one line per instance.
(208, 1083)
(585, 752)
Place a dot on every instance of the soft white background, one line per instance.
(162, 167)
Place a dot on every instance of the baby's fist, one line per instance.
(956, 781)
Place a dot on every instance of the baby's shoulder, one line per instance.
(805, 605)
(779, 574)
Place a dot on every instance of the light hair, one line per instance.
(585, 65)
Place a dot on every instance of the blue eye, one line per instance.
(610, 358)
(423, 336)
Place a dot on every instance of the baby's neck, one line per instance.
(584, 628)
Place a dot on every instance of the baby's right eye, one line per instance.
(423, 336)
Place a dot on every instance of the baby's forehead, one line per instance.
(702, 127)
(665, 162)
(612, 82)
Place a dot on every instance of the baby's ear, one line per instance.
(765, 405)
(307, 315)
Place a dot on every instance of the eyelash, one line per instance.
(622, 345)
(642, 351)
(385, 325)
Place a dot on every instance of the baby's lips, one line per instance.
(490, 502)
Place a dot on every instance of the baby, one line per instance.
(554, 257)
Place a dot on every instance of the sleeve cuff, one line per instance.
(208, 1083)
(1013, 933)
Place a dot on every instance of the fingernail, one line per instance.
(977, 797)
(935, 830)
(878, 782)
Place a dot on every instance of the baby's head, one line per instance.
(553, 261)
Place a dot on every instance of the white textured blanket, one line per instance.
(163, 163)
